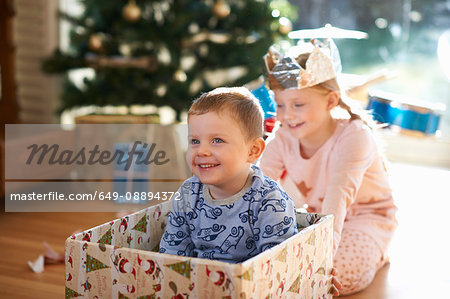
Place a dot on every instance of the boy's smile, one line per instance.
(208, 165)
(219, 153)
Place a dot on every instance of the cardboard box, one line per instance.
(117, 119)
(118, 260)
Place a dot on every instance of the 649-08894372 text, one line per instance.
(159, 196)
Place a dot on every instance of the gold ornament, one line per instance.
(95, 43)
(221, 9)
(180, 76)
(131, 12)
(285, 25)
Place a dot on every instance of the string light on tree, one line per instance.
(125, 50)
(194, 28)
(161, 90)
(95, 43)
(180, 75)
(276, 13)
(131, 12)
(285, 25)
(221, 9)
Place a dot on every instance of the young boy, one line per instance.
(228, 210)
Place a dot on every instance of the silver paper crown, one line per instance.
(285, 72)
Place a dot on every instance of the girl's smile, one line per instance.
(306, 114)
(295, 125)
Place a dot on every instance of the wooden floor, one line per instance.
(21, 238)
(420, 252)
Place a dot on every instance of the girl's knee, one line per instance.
(353, 282)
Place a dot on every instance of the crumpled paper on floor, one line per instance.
(50, 256)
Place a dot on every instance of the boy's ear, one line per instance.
(256, 149)
(333, 99)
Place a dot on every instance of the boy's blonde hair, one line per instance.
(241, 105)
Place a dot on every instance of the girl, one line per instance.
(334, 162)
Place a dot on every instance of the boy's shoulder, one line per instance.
(190, 186)
(265, 182)
(269, 196)
(192, 180)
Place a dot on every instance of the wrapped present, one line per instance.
(417, 118)
(267, 101)
(119, 259)
(133, 178)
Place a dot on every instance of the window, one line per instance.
(403, 38)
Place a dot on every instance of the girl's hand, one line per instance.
(335, 284)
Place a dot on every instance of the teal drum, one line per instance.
(396, 110)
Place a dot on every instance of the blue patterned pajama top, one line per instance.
(234, 229)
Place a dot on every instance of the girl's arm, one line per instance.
(352, 155)
(271, 162)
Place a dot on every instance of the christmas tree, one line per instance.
(166, 52)
(93, 264)
(141, 225)
(183, 268)
(106, 238)
(71, 293)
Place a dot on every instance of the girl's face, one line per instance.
(304, 112)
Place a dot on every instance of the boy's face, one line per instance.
(219, 153)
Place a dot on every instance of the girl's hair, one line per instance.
(353, 109)
(241, 105)
(345, 103)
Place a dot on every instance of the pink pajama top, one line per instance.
(346, 177)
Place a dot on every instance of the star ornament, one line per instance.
(303, 188)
